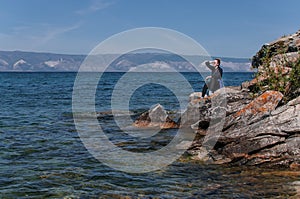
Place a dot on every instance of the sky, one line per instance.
(229, 28)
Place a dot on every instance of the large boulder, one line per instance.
(155, 117)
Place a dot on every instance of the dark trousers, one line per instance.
(204, 90)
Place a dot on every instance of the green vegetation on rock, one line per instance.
(278, 67)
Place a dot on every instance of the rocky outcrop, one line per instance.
(155, 117)
(239, 127)
(275, 62)
(254, 133)
(289, 45)
(257, 131)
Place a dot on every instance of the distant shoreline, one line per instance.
(32, 61)
(114, 72)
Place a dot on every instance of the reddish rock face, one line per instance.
(266, 102)
(255, 111)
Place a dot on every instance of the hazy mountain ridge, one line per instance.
(32, 61)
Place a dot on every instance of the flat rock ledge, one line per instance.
(258, 131)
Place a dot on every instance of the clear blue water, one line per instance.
(42, 156)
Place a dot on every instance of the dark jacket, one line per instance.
(216, 74)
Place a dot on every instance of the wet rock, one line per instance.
(296, 186)
(155, 117)
(285, 153)
(247, 146)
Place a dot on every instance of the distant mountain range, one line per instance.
(32, 61)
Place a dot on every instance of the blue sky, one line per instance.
(231, 28)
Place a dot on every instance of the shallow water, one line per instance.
(42, 155)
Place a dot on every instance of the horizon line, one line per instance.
(74, 54)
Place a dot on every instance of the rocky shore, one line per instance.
(253, 132)
(239, 127)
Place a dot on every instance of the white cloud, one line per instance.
(33, 36)
(95, 5)
(53, 32)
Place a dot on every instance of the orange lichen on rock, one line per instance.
(266, 102)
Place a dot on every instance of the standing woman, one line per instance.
(213, 82)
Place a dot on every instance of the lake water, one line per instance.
(42, 156)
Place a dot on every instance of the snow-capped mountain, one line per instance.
(32, 61)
